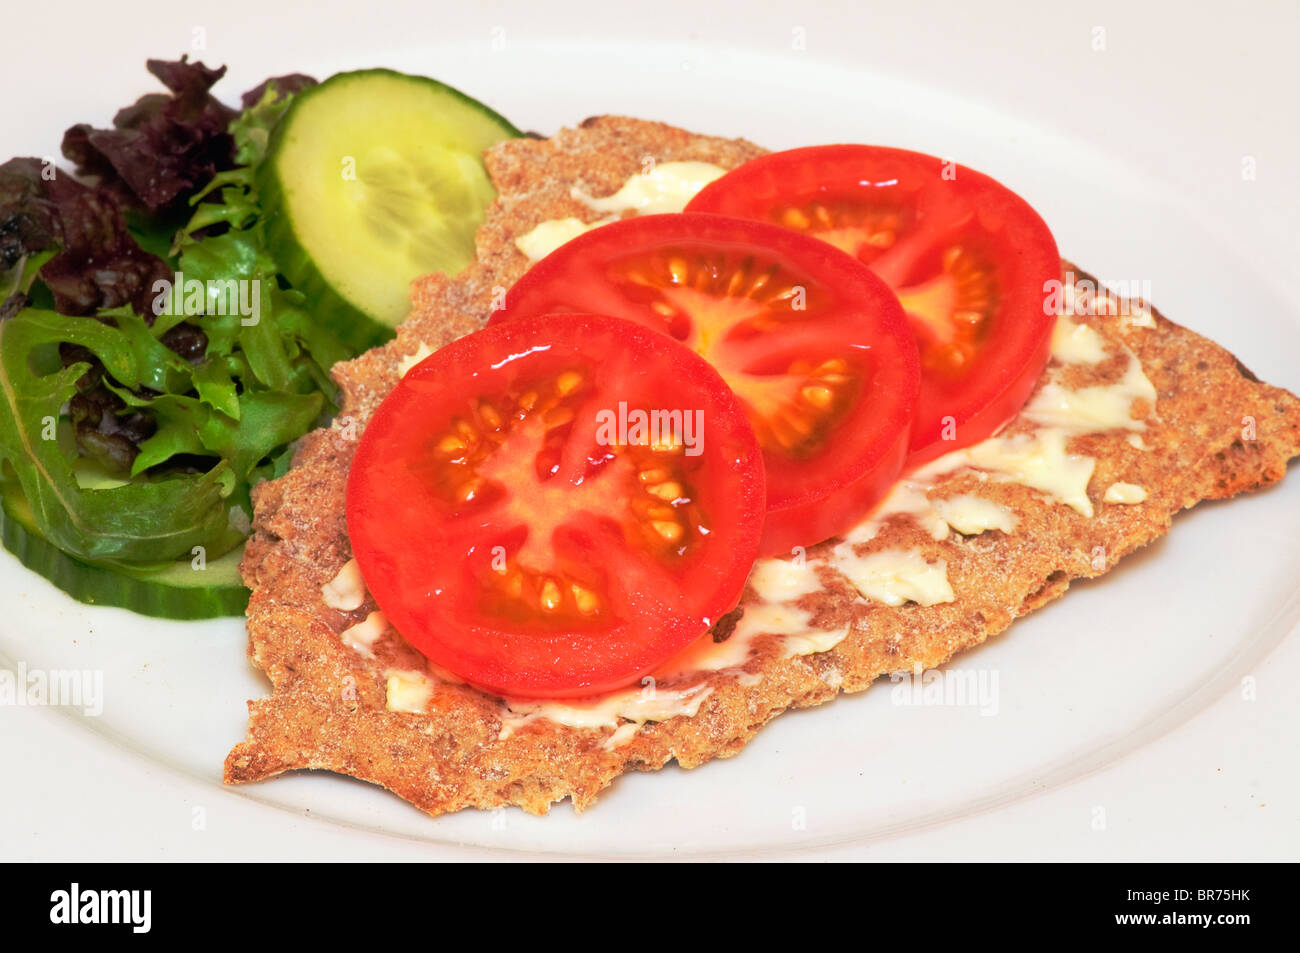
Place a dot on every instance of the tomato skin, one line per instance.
(832, 490)
(794, 523)
(936, 201)
(425, 556)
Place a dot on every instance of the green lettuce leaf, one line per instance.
(221, 422)
(145, 520)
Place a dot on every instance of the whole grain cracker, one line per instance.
(327, 709)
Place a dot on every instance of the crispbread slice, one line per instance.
(1215, 431)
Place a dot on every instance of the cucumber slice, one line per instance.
(372, 179)
(176, 591)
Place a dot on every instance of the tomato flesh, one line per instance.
(816, 348)
(529, 513)
(968, 258)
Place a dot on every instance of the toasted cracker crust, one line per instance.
(327, 707)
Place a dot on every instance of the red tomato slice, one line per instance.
(968, 258)
(522, 524)
(814, 345)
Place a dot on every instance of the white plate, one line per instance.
(1134, 188)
